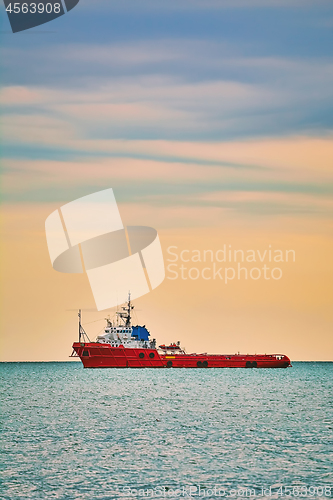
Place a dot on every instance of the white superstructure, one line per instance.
(125, 334)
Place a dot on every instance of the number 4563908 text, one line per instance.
(33, 8)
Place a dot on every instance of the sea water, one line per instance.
(71, 433)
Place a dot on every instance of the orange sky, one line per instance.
(292, 315)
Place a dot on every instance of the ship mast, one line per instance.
(128, 319)
(125, 315)
(80, 326)
(83, 337)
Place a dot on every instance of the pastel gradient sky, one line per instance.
(212, 121)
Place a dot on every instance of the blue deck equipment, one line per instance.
(140, 333)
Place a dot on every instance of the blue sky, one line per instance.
(187, 72)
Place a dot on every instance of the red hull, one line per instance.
(97, 355)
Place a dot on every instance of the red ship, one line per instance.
(125, 346)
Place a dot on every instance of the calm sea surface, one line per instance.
(70, 433)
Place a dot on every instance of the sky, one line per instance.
(212, 121)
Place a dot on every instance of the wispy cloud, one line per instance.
(235, 96)
(254, 177)
(192, 117)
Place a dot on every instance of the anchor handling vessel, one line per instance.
(125, 346)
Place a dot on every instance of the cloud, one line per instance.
(235, 96)
(19, 95)
(269, 202)
(290, 176)
(63, 130)
(187, 121)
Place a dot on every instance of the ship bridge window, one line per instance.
(85, 353)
